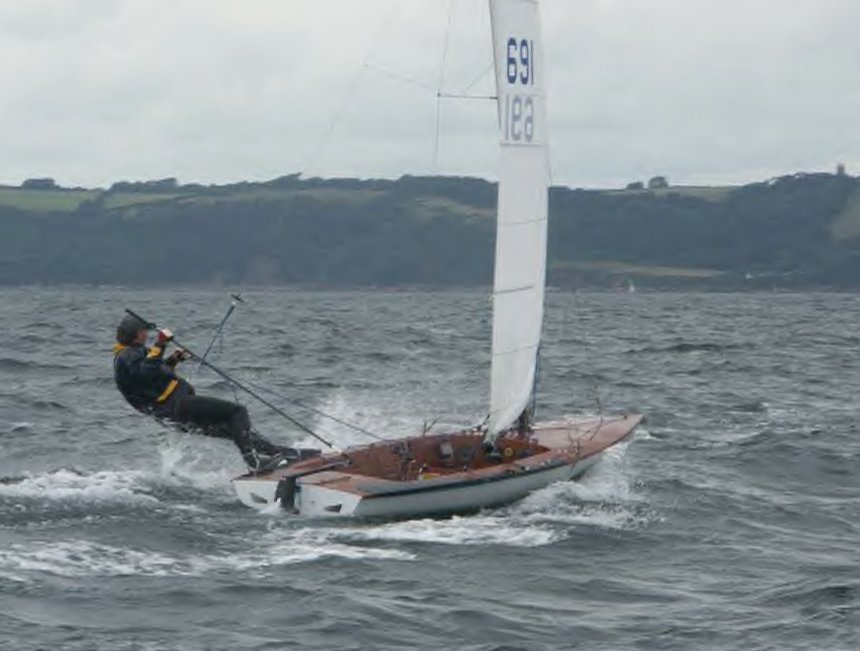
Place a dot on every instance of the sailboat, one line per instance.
(507, 456)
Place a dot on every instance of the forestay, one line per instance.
(518, 292)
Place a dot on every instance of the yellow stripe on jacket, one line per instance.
(168, 391)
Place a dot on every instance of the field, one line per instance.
(60, 200)
(45, 200)
(705, 192)
(70, 200)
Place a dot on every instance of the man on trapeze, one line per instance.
(150, 384)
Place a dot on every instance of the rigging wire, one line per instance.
(233, 384)
(314, 410)
(403, 79)
(229, 378)
(340, 110)
(479, 372)
(218, 339)
(459, 96)
(478, 79)
(466, 92)
(441, 81)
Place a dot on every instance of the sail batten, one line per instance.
(519, 279)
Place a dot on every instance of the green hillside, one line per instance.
(794, 232)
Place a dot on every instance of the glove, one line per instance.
(177, 356)
(164, 336)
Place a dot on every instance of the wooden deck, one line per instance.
(440, 460)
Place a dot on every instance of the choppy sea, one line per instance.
(730, 521)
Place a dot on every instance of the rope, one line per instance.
(441, 80)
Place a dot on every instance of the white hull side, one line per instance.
(319, 501)
(469, 498)
(257, 493)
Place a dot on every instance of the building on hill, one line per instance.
(636, 185)
(840, 170)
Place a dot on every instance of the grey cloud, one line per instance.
(218, 90)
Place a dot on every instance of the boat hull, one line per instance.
(448, 501)
(327, 487)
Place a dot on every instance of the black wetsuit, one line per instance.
(150, 384)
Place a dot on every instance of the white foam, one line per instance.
(10, 576)
(563, 504)
(85, 558)
(182, 463)
(205, 464)
(469, 530)
(370, 417)
(643, 434)
(311, 543)
(66, 484)
(608, 480)
(602, 498)
(80, 558)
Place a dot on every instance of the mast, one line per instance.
(521, 231)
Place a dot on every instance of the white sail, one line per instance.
(518, 291)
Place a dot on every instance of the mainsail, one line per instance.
(518, 291)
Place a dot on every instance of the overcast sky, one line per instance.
(704, 91)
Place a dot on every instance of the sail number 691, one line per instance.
(521, 62)
(518, 106)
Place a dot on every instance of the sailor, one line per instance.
(149, 382)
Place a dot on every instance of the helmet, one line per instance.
(128, 328)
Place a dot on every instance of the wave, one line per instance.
(18, 365)
(603, 499)
(687, 347)
(66, 484)
(203, 464)
(76, 558)
(13, 364)
(816, 598)
(465, 530)
(42, 405)
(751, 407)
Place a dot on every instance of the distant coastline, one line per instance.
(795, 232)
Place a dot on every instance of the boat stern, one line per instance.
(259, 493)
